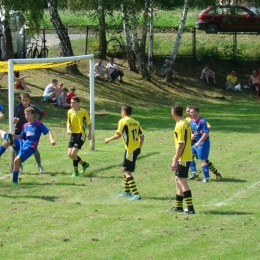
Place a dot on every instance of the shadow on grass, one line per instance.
(227, 213)
(232, 180)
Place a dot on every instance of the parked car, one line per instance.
(256, 10)
(227, 18)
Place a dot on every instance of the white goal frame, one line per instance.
(11, 63)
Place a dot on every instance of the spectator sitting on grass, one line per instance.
(207, 75)
(20, 82)
(71, 94)
(62, 99)
(52, 91)
(253, 81)
(166, 69)
(232, 82)
(114, 71)
(99, 72)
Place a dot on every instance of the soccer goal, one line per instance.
(49, 68)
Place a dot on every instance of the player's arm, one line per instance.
(52, 142)
(202, 139)
(40, 112)
(176, 157)
(114, 137)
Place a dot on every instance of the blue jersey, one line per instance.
(1, 107)
(199, 127)
(31, 134)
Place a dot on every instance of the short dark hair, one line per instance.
(65, 89)
(177, 109)
(26, 95)
(127, 109)
(76, 99)
(196, 109)
(54, 81)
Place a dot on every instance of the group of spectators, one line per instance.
(112, 72)
(232, 82)
(55, 91)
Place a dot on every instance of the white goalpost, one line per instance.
(13, 62)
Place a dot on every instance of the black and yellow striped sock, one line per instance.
(83, 163)
(188, 199)
(75, 165)
(126, 186)
(132, 186)
(178, 202)
(212, 167)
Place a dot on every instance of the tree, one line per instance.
(61, 32)
(178, 40)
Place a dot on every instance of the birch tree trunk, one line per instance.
(102, 29)
(140, 50)
(151, 42)
(178, 39)
(129, 51)
(62, 33)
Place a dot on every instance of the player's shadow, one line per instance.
(226, 213)
(232, 180)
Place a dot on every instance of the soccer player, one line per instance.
(19, 120)
(194, 174)
(8, 141)
(181, 161)
(133, 138)
(77, 121)
(201, 148)
(31, 133)
(1, 112)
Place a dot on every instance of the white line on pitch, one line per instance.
(238, 194)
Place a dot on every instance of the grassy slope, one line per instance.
(52, 216)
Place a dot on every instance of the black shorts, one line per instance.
(77, 140)
(183, 170)
(130, 159)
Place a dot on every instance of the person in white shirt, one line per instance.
(99, 72)
(114, 71)
(52, 91)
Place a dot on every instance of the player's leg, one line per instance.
(129, 167)
(193, 168)
(183, 191)
(203, 153)
(214, 170)
(37, 157)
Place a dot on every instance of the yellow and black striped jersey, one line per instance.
(131, 131)
(182, 134)
(78, 120)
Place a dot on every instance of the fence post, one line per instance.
(44, 44)
(86, 45)
(194, 43)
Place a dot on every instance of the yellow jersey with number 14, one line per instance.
(131, 131)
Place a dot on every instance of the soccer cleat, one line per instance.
(10, 139)
(186, 211)
(218, 177)
(125, 194)
(75, 174)
(193, 176)
(205, 180)
(175, 209)
(84, 168)
(135, 197)
(15, 182)
(41, 169)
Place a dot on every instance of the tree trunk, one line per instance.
(102, 30)
(131, 58)
(62, 33)
(151, 41)
(139, 50)
(8, 42)
(178, 40)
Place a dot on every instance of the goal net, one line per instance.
(39, 73)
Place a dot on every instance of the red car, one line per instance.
(227, 18)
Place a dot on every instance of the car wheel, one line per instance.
(212, 28)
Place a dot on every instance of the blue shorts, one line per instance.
(202, 152)
(24, 154)
(17, 144)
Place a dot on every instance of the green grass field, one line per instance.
(54, 216)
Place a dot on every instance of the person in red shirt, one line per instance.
(70, 95)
